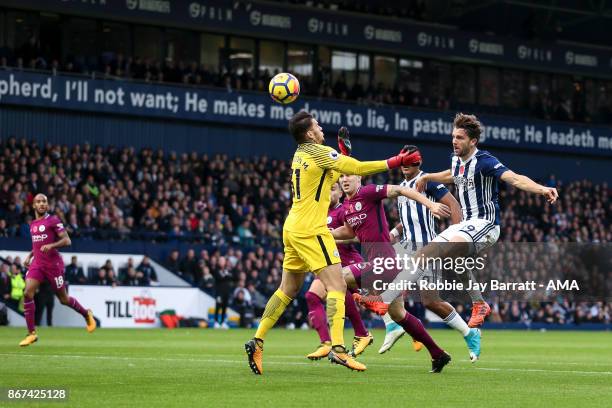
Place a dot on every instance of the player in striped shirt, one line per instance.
(417, 228)
(476, 174)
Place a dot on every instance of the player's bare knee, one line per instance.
(29, 293)
(318, 289)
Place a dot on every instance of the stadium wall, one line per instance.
(155, 250)
(68, 127)
(88, 260)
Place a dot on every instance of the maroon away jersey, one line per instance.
(366, 215)
(348, 253)
(46, 231)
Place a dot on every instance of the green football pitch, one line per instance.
(207, 368)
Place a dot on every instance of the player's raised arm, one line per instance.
(328, 158)
(444, 177)
(437, 209)
(526, 184)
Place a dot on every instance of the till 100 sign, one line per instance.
(140, 309)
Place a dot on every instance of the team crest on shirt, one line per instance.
(41, 228)
(329, 219)
(336, 253)
(358, 206)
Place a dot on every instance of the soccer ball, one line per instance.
(284, 88)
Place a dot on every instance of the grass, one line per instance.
(207, 368)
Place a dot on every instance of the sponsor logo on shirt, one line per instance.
(466, 182)
(356, 220)
(39, 238)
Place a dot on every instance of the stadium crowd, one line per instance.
(541, 102)
(234, 209)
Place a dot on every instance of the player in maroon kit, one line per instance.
(45, 263)
(316, 294)
(365, 219)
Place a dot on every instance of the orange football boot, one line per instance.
(480, 310)
(372, 303)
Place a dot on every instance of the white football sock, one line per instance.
(387, 319)
(455, 321)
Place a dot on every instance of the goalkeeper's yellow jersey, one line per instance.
(315, 168)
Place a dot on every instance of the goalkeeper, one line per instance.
(309, 246)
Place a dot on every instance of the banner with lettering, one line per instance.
(257, 109)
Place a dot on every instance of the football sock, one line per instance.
(387, 319)
(352, 312)
(455, 321)
(475, 294)
(76, 306)
(415, 328)
(335, 316)
(29, 311)
(317, 316)
(274, 309)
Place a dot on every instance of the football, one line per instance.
(284, 88)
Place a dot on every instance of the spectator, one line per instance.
(5, 283)
(108, 266)
(102, 278)
(130, 278)
(111, 278)
(224, 279)
(74, 273)
(123, 271)
(4, 232)
(242, 305)
(188, 267)
(17, 287)
(207, 284)
(149, 277)
(173, 262)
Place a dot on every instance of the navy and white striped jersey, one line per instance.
(477, 185)
(418, 222)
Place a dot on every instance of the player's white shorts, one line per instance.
(482, 233)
